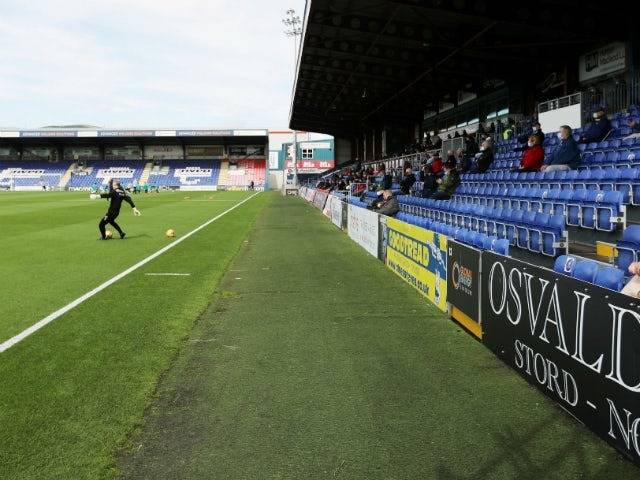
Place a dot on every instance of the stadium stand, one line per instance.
(179, 173)
(32, 174)
(99, 172)
(242, 172)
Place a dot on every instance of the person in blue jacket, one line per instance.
(566, 155)
(599, 128)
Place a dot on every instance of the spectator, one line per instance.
(632, 288)
(387, 179)
(485, 158)
(437, 142)
(509, 131)
(566, 155)
(471, 145)
(463, 161)
(447, 185)
(389, 204)
(408, 181)
(429, 184)
(599, 128)
(634, 125)
(533, 156)
(436, 164)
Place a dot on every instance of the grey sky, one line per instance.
(218, 63)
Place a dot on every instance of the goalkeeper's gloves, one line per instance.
(136, 212)
(94, 196)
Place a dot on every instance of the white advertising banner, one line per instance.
(608, 59)
(336, 211)
(363, 228)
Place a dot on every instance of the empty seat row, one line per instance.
(590, 271)
(626, 181)
(593, 209)
(537, 232)
(475, 239)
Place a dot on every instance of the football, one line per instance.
(108, 234)
(170, 233)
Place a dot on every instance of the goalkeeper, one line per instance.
(116, 196)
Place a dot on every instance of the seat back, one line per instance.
(565, 264)
(585, 270)
(610, 277)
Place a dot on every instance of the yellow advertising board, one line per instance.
(418, 256)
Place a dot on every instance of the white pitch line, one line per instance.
(168, 274)
(58, 313)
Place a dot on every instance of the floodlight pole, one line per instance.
(293, 26)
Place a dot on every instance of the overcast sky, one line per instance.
(165, 63)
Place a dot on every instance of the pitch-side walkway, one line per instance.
(315, 362)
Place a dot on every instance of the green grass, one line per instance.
(289, 353)
(316, 362)
(72, 392)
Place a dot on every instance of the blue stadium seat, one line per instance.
(609, 210)
(628, 247)
(585, 270)
(610, 277)
(501, 246)
(565, 264)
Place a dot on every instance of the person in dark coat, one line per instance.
(485, 159)
(408, 181)
(566, 155)
(389, 205)
(599, 128)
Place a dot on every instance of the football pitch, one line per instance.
(266, 345)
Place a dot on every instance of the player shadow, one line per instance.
(531, 462)
(140, 235)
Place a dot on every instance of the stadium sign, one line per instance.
(337, 211)
(126, 133)
(574, 341)
(463, 284)
(204, 133)
(419, 257)
(362, 226)
(609, 59)
(320, 198)
(49, 134)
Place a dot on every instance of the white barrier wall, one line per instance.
(552, 120)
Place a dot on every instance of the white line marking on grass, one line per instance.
(58, 313)
(168, 274)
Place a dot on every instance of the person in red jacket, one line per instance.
(533, 156)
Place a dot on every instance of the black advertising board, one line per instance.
(576, 342)
(463, 276)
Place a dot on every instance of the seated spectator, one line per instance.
(536, 130)
(485, 158)
(632, 288)
(533, 156)
(408, 181)
(429, 184)
(566, 155)
(387, 179)
(463, 161)
(634, 125)
(448, 183)
(599, 128)
(388, 205)
(471, 145)
(436, 164)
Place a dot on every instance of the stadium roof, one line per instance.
(362, 60)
